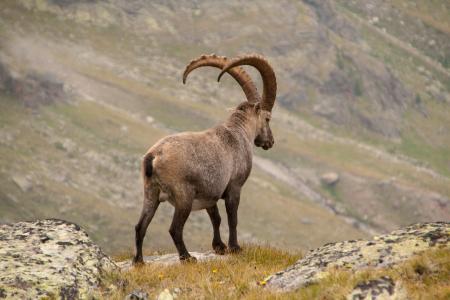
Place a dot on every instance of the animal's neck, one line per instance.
(241, 123)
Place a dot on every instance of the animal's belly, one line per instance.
(197, 204)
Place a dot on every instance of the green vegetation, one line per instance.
(358, 88)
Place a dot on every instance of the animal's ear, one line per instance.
(257, 107)
(241, 106)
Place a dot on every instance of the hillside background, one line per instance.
(86, 87)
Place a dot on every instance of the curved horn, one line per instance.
(267, 74)
(238, 73)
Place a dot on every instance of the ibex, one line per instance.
(193, 170)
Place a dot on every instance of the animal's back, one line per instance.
(198, 159)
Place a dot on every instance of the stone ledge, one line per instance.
(49, 258)
(382, 251)
(171, 259)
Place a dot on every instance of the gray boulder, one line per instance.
(49, 258)
(329, 178)
(382, 251)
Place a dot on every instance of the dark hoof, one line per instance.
(187, 259)
(137, 262)
(220, 248)
(235, 249)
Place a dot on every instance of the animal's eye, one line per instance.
(267, 119)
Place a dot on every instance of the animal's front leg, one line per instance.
(232, 204)
(176, 231)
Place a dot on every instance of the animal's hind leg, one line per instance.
(182, 210)
(217, 244)
(151, 203)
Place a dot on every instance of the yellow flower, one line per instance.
(262, 282)
(160, 276)
(214, 271)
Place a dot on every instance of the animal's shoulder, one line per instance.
(227, 136)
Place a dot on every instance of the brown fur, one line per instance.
(193, 170)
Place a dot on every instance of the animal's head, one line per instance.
(260, 107)
(258, 120)
(264, 137)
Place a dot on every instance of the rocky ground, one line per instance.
(49, 259)
(170, 259)
(55, 258)
(382, 251)
(87, 86)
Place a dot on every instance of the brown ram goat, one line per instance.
(193, 170)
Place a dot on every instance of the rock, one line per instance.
(32, 89)
(329, 178)
(305, 221)
(152, 23)
(173, 258)
(383, 288)
(137, 295)
(382, 251)
(49, 259)
(165, 295)
(69, 145)
(23, 182)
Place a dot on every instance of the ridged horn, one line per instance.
(267, 75)
(242, 77)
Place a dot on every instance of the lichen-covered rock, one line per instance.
(383, 288)
(382, 251)
(49, 258)
(173, 258)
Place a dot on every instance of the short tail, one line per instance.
(148, 166)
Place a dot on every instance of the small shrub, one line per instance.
(418, 99)
(358, 88)
(60, 146)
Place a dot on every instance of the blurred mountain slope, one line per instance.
(356, 97)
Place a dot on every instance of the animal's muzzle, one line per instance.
(267, 145)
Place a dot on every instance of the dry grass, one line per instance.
(242, 276)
